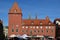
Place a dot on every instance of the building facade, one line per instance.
(35, 27)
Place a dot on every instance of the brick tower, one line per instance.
(15, 20)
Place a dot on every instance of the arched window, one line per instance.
(17, 30)
(12, 27)
(12, 30)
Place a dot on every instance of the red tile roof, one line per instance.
(37, 22)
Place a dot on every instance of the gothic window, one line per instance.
(16, 30)
(12, 30)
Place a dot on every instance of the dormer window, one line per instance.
(40, 23)
(49, 23)
(32, 23)
(15, 11)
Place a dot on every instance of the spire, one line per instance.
(36, 16)
(29, 16)
(15, 8)
(47, 18)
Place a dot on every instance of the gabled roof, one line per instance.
(15, 7)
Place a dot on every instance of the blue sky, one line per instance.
(42, 8)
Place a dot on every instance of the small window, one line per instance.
(26, 26)
(30, 26)
(34, 30)
(12, 30)
(16, 30)
(41, 23)
(26, 30)
(46, 30)
(17, 25)
(49, 27)
(52, 31)
(46, 27)
(33, 26)
(37, 27)
(15, 11)
(52, 27)
(38, 31)
(22, 26)
(22, 30)
(30, 31)
(41, 30)
(41, 27)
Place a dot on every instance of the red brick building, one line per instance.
(35, 27)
